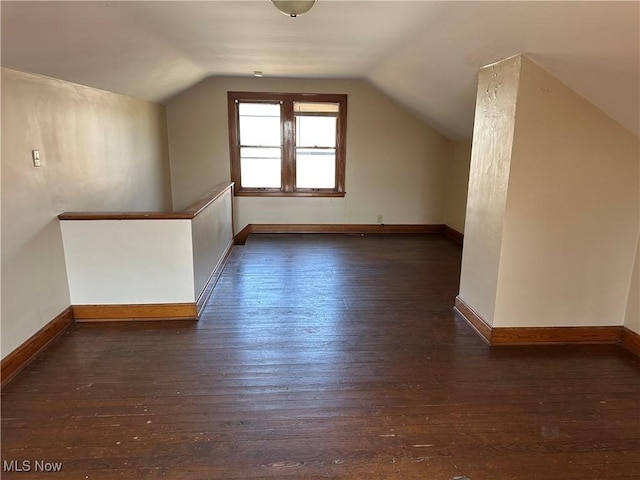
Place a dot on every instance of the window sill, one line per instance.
(257, 193)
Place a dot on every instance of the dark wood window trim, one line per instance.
(286, 101)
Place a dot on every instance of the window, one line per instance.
(287, 144)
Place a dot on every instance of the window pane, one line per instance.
(259, 124)
(260, 167)
(316, 107)
(315, 168)
(315, 131)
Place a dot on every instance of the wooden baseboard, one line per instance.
(159, 311)
(213, 279)
(474, 320)
(25, 353)
(495, 336)
(344, 228)
(241, 237)
(554, 335)
(630, 340)
(453, 235)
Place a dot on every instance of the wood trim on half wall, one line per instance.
(159, 311)
(13, 363)
(189, 213)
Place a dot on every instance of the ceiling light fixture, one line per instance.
(293, 8)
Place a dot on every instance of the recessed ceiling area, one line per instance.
(423, 54)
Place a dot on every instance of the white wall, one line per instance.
(146, 261)
(571, 220)
(100, 151)
(458, 185)
(488, 180)
(212, 233)
(396, 165)
(119, 262)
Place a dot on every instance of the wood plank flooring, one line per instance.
(323, 356)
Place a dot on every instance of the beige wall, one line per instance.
(571, 220)
(396, 165)
(632, 315)
(100, 151)
(458, 185)
(488, 179)
(558, 246)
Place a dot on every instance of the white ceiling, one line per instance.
(424, 54)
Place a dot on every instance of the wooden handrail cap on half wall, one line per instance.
(186, 259)
(186, 214)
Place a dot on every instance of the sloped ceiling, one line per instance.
(423, 54)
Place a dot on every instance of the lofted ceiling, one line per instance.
(423, 54)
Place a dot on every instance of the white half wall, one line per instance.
(212, 233)
(116, 262)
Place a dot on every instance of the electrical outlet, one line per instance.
(35, 154)
(380, 220)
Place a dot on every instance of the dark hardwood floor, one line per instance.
(324, 356)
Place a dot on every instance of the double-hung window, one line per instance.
(287, 144)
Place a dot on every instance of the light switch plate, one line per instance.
(35, 154)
